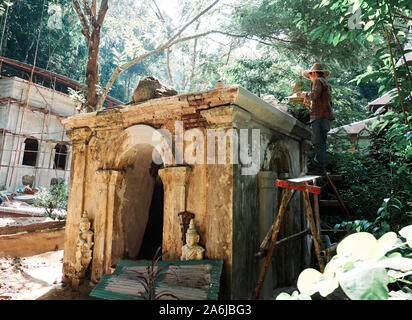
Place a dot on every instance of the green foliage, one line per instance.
(55, 197)
(262, 76)
(374, 15)
(292, 31)
(379, 179)
(364, 268)
(60, 49)
(78, 98)
(296, 28)
(366, 179)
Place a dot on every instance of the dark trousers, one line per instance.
(320, 129)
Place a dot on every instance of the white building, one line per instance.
(33, 146)
(34, 149)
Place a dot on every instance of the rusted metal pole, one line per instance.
(282, 209)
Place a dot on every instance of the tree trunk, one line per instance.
(92, 71)
(94, 23)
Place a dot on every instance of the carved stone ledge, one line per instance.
(227, 117)
(219, 117)
(109, 118)
(79, 135)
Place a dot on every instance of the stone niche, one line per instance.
(133, 201)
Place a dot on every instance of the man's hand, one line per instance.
(303, 94)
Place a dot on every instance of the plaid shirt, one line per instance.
(320, 99)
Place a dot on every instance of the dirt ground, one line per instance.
(37, 278)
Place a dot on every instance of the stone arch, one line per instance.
(138, 191)
(139, 135)
(277, 158)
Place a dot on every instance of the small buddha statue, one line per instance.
(191, 250)
(84, 245)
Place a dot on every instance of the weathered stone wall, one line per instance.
(256, 202)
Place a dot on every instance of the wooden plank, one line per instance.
(267, 238)
(329, 203)
(297, 186)
(26, 244)
(262, 253)
(304, 179)
(32, 227)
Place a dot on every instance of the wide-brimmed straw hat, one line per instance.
(316, 67)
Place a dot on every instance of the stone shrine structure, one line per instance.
(134, 202)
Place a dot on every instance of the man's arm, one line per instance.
(314, 94)
(316, 91)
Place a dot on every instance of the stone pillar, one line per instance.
(80, 138)
(106, 180)
(174, 181)
(266, 218)
(221, 204)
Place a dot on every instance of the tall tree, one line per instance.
(92, 21)
(91, 28)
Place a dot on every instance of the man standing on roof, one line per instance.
(319, 101)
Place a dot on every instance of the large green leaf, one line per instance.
(385, 244)
(358, 246)
(283, 296)
(406, 232)
(397, 263)
(365, 283)
(400, 295)
(326, 285)
(307, 279)
(368, 25)
(336, 39)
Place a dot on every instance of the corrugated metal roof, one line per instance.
(385, 99)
